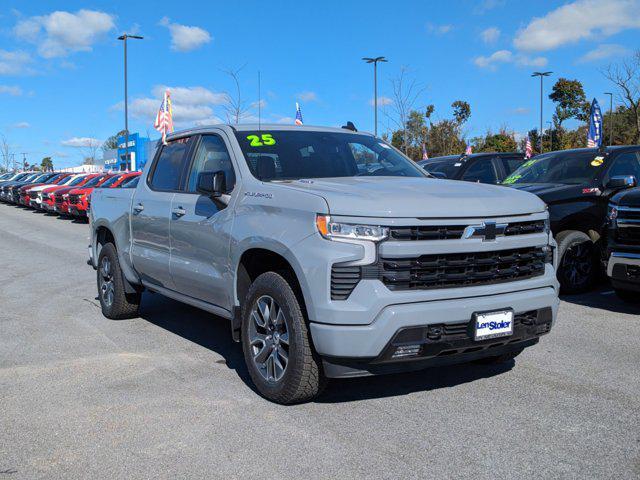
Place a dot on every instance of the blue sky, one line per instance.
(61, 65)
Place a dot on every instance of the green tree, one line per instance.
(502, 141)
(461, 111)
(570, 100)
(47, 164)
(112, 142)
(626, 77)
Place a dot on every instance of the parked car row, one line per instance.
(60, 192)
(594, 209)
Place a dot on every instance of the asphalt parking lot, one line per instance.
(166, 395)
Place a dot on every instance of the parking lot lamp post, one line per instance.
(541, 75)
(124, 38)
(375, 88)
(610, 117)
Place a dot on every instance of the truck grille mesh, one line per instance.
(628, 230)
(459, 269)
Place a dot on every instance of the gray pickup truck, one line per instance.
(331, 253)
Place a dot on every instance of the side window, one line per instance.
(481, 171)
(168, 169)
(211, 156)
(625, 164)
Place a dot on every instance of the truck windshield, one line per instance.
(110, 182)
(558, 167)
(291, 155)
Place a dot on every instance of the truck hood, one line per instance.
(628, 198)
(417, 197)
(553, 192)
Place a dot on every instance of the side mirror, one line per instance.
(213, 184)
(622, 181)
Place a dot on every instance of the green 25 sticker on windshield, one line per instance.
(262, 140)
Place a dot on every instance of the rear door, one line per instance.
(151, 213)
(200, 227)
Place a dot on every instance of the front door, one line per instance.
(200, 228)
(151, 214)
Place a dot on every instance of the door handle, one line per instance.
(179, 212)
(138, 208)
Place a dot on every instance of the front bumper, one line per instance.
(623, 269)
(368, 343)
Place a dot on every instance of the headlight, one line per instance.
(335, 230)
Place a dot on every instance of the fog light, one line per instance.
(406, 351)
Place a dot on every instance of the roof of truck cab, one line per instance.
(252, 127)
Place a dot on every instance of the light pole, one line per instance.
(375, 88)
(124, 38)
(541, 75)
(610, 117)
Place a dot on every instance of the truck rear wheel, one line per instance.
(115, 302)
(576, 262)
(276, 342)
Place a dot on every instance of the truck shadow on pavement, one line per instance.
(214, 333)
(604, 298)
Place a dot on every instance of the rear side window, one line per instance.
(170, 164)
(481, 171)
(511, 164)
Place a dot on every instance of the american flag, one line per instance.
(298, 114)
(528, 149)
(164, 118)
(425, 156)
(469, 150)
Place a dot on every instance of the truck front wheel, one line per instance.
(115, 302)
(276, 343)
(576, 262)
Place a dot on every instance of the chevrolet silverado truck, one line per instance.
(324, 265)
(623, 244)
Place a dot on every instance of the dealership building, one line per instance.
(130, 155)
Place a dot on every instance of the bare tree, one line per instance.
(405, 95)
(626, 77)
(90, 150)
(235, 107)
(5, 153)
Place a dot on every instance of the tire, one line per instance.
(277, 351)
(628, 296)
(577, 269)
(498, 359)
(115, 303)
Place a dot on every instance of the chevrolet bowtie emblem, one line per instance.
(488, 231)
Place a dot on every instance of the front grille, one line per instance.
(58, 199)
(455, 232)
(628, 223)
(457, 269)
(73, 199)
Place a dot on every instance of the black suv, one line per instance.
(577, 185)
(476, 167)
(623, 246)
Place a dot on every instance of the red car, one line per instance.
(23, 196)
(78, 202)
(61, 197)
(34, 193)
(48, 203)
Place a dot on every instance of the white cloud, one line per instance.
(60, 33)
(78, 142)
(606, 50)
(14, 63)
(10, 90)
(21, 125)
(185, 38)
(190, 105)
(486, 5)
(382, 101)
(506, 56)
(579, 20)
(307, 96)
(520, 111)
(286, 120)
(439, 29)
(490, 35)
(262, 104)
